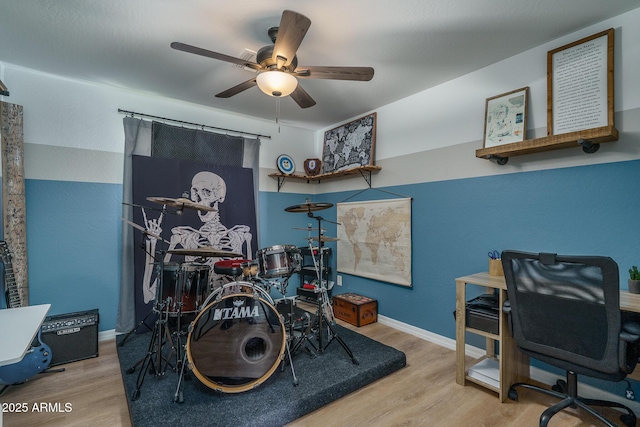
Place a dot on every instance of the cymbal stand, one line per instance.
(160, 330)
(322, 299)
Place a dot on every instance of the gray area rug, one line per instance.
(322, 378)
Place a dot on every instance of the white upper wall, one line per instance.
(453, 113)
(73, 114)
(77, 115)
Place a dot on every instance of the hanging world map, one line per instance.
(375, 240)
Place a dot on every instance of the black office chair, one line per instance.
(565, 311)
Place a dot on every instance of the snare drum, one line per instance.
(279, 260)
(236, 343)
(184, 287)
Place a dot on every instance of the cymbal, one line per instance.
(308, 229)
(325, 238)
(180, 203)
(205, 252)
(308, 207)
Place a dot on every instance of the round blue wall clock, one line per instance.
(286, 164)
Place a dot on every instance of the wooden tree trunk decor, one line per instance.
(13, 193)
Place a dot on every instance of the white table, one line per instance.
(18, 327)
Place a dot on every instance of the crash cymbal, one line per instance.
(308, 207)
(308, 229)
(325, 239)
(205, 252)
(180, 203)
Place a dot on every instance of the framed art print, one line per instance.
(505, 118)
(350, 145)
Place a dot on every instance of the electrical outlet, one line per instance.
(339, 280)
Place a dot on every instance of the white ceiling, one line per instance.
(412, 44)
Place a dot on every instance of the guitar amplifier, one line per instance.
(72, 336)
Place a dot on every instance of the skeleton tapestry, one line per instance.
(229, 224)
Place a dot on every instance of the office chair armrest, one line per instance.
(506, 307)
(630, 331)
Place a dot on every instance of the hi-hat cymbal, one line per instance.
(180, 203)
(325, 238)
(308, 207)
(205, 252)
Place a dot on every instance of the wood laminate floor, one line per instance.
(424, 393)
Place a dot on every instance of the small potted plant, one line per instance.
(634, 280)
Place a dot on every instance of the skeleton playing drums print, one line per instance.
(227, 221)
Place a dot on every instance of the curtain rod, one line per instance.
(133, 113)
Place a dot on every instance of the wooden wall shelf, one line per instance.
(365, 171)
(589, 139)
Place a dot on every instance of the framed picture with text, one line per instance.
(580, 85)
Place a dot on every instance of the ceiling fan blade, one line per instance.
(292, 29)
(335, 73)
(215, 55)
(237, 89)
(302, 98)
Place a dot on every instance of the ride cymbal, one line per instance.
(180, 203)
(308, 207)
(205, 252)
(325, 238)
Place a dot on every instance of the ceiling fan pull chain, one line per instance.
(278, 113)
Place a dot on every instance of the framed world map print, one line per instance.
(374, 240)
(350, 145)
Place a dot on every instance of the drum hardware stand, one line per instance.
(322, 300)
(131, 332)
(160, 330)
(154, 350)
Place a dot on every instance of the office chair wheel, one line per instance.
(560, 386)
(628, 419)
(513, 394)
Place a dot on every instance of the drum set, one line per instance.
(237, 334)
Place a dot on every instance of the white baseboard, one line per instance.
(536, 374)
(107, 335)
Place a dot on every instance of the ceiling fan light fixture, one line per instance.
(276, 83)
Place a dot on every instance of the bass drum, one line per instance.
(238, 288)
(236, 343)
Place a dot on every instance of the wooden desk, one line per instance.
(18, 327)
(514, 365)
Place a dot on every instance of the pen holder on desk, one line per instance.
(495, 267)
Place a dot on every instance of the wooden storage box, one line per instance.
(355, 309)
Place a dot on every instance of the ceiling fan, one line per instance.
(277, 64)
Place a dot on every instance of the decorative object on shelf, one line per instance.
(350, 145)
(286, 164)
(505, 119)
(580, 85)
(312, 166)
(634, 280)
(574, 117)
(495, 264)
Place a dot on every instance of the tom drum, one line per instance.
(185, 287)
(279, 260)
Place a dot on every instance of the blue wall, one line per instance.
(74, 231)
(580, 210)
(73, 242)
